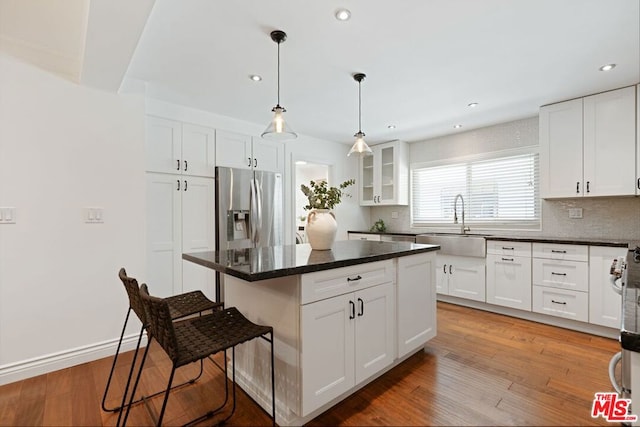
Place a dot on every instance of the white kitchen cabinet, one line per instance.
(638, 140)
(416, 292)
(179, 148)
(346, 339)
(509, 274)
(235, 150)
(561, 280)
(461, 276)
(180, 218)
(364, 236)
(604, 303)
(384, 176)
(588, 146)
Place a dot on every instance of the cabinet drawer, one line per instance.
(329, 283)
(571, 275)
(560, 251)
(364, 236)
(498, 247)
(562, 303)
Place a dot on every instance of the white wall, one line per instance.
(605, 218)
(64, 147)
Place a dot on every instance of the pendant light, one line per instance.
(278, 128)
(360, 146)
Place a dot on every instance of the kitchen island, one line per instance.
(341, 318)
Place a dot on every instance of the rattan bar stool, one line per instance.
(196, 338)
(180, 306)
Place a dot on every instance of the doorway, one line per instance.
(305, 172)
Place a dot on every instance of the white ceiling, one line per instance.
(425, 60)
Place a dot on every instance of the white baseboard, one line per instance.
(52, 362)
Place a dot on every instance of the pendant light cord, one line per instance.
(359, 108)
(278, 74)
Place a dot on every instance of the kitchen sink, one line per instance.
(473, 245)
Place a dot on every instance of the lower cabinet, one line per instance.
(561, 303)
(345, 340)
(605, 305)
(364, 236)
(509, 274)
(460, 276)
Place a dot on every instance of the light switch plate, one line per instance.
(7, 215)
(94, 215)
(394, 215)
(575, 213)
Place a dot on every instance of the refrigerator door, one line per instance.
(269, 212)
(233, 208)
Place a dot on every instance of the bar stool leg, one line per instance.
(113, 366)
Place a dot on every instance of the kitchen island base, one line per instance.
(335, 330)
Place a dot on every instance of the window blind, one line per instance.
(496, 191)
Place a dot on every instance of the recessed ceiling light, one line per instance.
(391, 126)
(255, 77)
(607, 67)
(457, 126)
(343, 14)
(472, 105)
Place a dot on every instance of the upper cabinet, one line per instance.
(588, 146)
(384, 176)
(179, 148)
(235, 150)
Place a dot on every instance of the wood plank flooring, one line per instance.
(481, 369)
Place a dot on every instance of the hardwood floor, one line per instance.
(481, 369)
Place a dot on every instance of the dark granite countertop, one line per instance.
(254, 264)
(630, 331)
(534, 239)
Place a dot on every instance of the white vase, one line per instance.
(321, 229)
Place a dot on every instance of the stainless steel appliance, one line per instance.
(249, 211)
(618, 276)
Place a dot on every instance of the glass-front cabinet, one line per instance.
(384, 176)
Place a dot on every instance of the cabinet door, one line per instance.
(467, 278)
(375, 330)
(561, 149)
(327, 351)
(198, 232)
(366, 182)
(268, 155)
(416, 302)
(233, 150)
(509, 281)
(164, 234)
(638, 141)
(163, 144)
(604, 303)
(198, 150)
(442, 274)
(610, 143)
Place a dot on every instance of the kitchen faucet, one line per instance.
(463, 229)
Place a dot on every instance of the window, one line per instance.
(497, 192)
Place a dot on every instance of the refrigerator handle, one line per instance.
(252, 217)
(258, 211)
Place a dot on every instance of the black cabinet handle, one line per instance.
(553, 273)
(178, 168)
(450, 271)
(558, 252)
(352, 309)
(444, 269)
(507, 259)
(587, 186)
(558, 302)
(361, 307)
(358, 277)
(578, 187)
(185, 185)
(507, 249)
(178, 189)
(255, 162)
(638, 183)
(185, 165)
(249, 164)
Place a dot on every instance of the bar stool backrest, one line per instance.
(133, 292)
(160, 324)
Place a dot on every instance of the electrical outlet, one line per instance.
(94, 215)
(7, 215)
(575, 213)
(394, 215)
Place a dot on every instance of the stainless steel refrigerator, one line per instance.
(249, 212)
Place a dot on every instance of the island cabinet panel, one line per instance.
(416, 291)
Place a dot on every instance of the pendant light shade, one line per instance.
(359, 146)
(278, 128)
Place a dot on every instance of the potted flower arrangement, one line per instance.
(321, 222)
